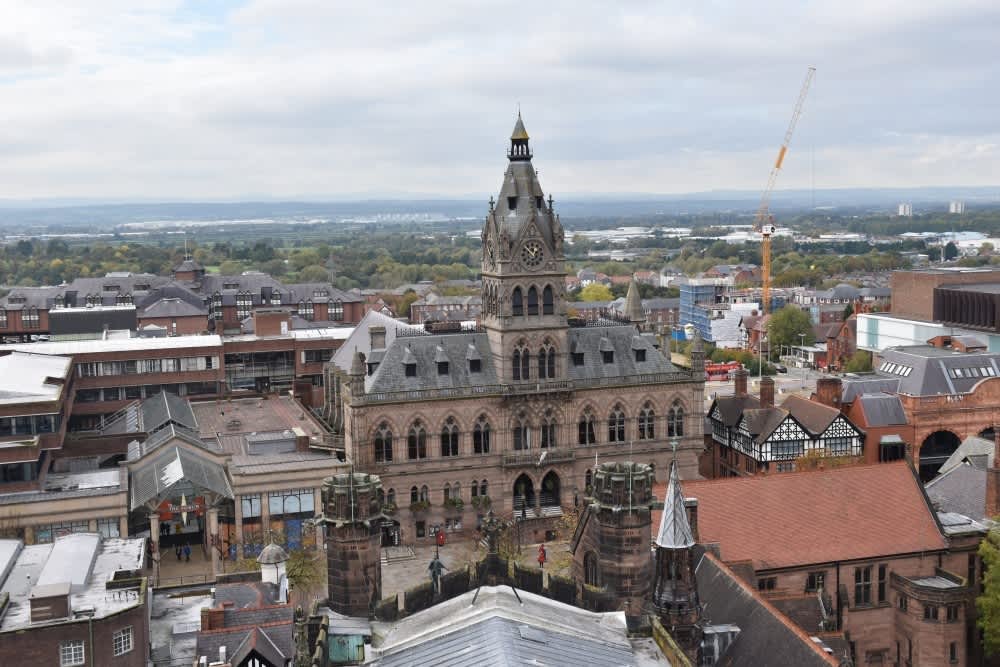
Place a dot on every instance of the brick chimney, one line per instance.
(828, 391)
(767, 392)
(993, 479)
(740, 380)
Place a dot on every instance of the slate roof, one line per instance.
(151, 478)
(977, 451)
(882, 409)
(813, 415)
(874, 510)
(360, 339)
(675, 531)
(938, 370)
(856, 384)
(273, 641)
(960, 489)
(732, 407)
(172, 307)
(766, 637)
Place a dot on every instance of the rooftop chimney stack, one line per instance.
(740, 380)
(767, 392)
(828, 391)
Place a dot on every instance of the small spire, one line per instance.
(519, 150)
(633, 304)
(675, 531)
(358, 363)
(519, 131)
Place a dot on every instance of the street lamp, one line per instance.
(802, 345)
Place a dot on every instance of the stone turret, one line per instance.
(697, 356)
(633, 306)
(352, 514)
(356, 380)
(611, 548)
(675, 593)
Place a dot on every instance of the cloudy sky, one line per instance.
(218, 99)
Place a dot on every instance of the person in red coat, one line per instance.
(440, 538)
(541, 555)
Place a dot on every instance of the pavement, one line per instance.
(398, 576)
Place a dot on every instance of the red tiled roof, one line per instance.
(798, 518)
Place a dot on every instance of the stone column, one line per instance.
(238, 522)
(123, 526)
(265, 519)
(92, 525)
(317, 506)
(154, 535)
(213, 538)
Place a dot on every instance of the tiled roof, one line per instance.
(732, 407)
(882, 409)
(854, 512)
(815, 416)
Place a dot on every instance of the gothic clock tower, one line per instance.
(524, 275)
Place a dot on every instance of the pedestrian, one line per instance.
(541, 556)
(187, 553)
(177, 550)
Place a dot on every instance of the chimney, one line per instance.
(828, 391)
(740, 379)
(767, 392)
(212, 618)
(377, 335)
(993, 478)
(691, 509)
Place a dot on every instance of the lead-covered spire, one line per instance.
(675, 531)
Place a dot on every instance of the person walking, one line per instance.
(187, 553)
(177, 550)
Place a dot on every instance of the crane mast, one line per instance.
(763, 223)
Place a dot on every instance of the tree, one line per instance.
(950, 251)
(314, 274)
(596, 292)
(988, 602)
(986, 249)
(848, 311)
(230, 268)
(785, 326)
(860, 362)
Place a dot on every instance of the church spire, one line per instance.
(519, 149)
(675, 530)
(633, 304)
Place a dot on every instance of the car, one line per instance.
(778, 368)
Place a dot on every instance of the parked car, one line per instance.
(778, 368)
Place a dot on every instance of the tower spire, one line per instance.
(675, 530)
(519, 150)
(633, 304)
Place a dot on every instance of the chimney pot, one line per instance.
(740, 380)
(767, 392)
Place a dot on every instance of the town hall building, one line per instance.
(515, 413)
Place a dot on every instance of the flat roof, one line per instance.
(112, 555)
(326, 333)
(70, 347)
(27, 377)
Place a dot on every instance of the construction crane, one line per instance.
(763, 222)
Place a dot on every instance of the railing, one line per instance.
(530, 457)
(258, 370)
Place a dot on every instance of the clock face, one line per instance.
(532, 254)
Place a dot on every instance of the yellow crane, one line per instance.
(763, 222)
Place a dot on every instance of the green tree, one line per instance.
(230, 268)
(988, 602)
(848, 311)
(860, 362)
(950, 251)
(785, 326)
(314, 274)
(595, 292)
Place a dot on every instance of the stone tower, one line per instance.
(524, 274)
(611, 545)
(633, 306)
(675, 593)
(351, 516)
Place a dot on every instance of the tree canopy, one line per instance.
(595, 292)
(860, 362)
(784, 327)
(988, 602)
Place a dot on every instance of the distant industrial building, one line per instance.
(956, 207)
(905, 210)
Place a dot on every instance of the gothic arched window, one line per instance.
(548, 303)
(449, 438)
(481, 436)
(616, 425)
(675, 420)
(483, 488)
(521, 363)
(532, 300)
(425, 494)
(586, 434)
(414, 494)
(383, 443)
(591, 570)
(416, 441)
(522, 438)
(516, 302)
(548, 430)
(646, 416)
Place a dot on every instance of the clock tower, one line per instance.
(524, 275)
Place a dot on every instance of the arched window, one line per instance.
(521, 363)
(425, 494)
(548, 430)
(588, 480)
(516, 302)
(416, 441)
(586, 434)
(390, 497)
(449, 438)
(522, 436)
(481, 436)
(447, 491)
(550, 363)
(483, 488)
(456, 490)
(675, 420)
(591, 570)
(548, 303)
(532, 301)
(646, 416)
(546, 361)
(414, 494)
(383, 443)
(616, 425)
(475, 488)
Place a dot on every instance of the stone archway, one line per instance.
(935, 450)
(550, 491)
(524, 496)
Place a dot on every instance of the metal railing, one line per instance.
(531, 457)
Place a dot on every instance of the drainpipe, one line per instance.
(837, 565)
(90, 629)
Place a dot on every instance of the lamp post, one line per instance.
(802, 345)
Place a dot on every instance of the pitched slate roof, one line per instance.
(882, 409)
(731, 408)
(855, 385)
(873, 510)
(960, 489)
(937, 370)
(151, 478)
(813, 415)
(766, 637)
(172, 307)
(360, 339)
(978, 451)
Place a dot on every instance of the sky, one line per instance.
(223, 100)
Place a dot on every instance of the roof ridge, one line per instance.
(777, 613)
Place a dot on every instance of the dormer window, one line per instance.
(411, 370)
(608, 356)
(475, 365)
(577, 358)
(112, 288)
(640, 355)
(512, 203)
(442, 367)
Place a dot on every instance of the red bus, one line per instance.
(715, 371)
